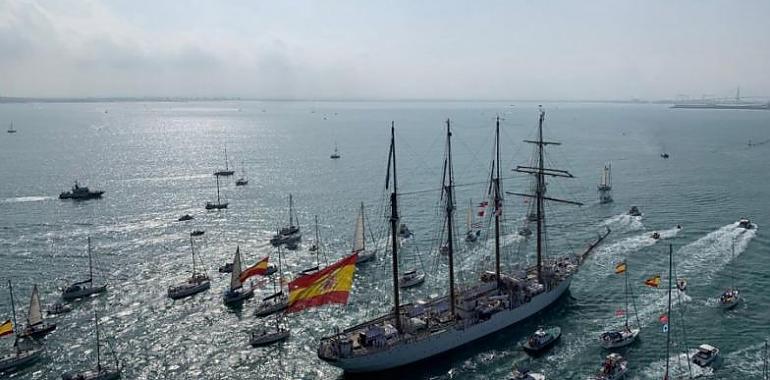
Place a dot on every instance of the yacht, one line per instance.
(81, 193)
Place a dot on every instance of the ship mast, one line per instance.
(668, 315)
(540, 172)
(394, 222)
(13, 305)
(98, 354)
(192, 250)
(90, 264)
(498, 201)
(448, 183)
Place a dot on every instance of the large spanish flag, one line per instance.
(329, 285)
(6, 328)
(260, 268)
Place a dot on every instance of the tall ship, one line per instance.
(416, 331)
(605, 185)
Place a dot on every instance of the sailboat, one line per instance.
(227, 171)
(605, 185)
(83, 288)
(101, 372)
(219, 205)
(731, 297)
(22, 355)
(316, 249)
(197, 283)
(473, 232)
(10, 128)
(359, 239)
(236, 294)
(336, 153)
(278, 301)
(242, 181)
(36, 327)
(409, 333)
(267, 335)
(290, 234)
(624, 336)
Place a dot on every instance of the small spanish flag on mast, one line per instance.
(260, 268)
(620, 267)
(653, 281)
(329, 285)
(6, 328)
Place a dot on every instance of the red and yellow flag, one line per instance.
(620, 267)
(6, 328)
(329, 285)
(260, 268)
(653, 281)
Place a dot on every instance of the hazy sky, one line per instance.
(385, 49)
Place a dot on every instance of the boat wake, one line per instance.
(678, 368)
(606, 256)
(26, 199)
(623, 223)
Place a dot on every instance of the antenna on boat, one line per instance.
(449, 190)
(394, 222)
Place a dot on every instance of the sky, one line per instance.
(410, 49)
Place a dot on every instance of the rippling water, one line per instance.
(155, 160)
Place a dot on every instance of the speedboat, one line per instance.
(681, 284)
(81, 193)
(410, 279)
(618, 338)
(19, 358)
(614, 367)
(185, 218)
(542, 340)
(404, 232)
(634, 211)
(729, 299)
(197, 233)
(745, 223)
(655, 235)
(268, 336)
(525, 374)
(707, 356)
(197, 283)
(664, 156)
(59, 308)
(241, 182)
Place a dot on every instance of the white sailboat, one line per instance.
(36, 327)
(197, 283)
(359, 239)
(219, 205)
(83, 288)
(236, 294)
(22, 354)
(11, 129)
(279, 300)
(605, 185)
(626, 335)
(101, 371)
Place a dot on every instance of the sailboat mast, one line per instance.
(90, 263)
(227, 166)
(626, 292)
(291, 210)
(498, 201)
(668, 313)
(363, 227)
(394, 223)
(98, 353)
(217, 177)
(317, 244)
(449, 216)
(13, 304)
(539, 194)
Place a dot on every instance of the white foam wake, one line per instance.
(624, 223)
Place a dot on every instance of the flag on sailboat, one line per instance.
(620, 312)
(653, 281)
(620, 267)
(663, 319)
(6, 328)
(260, 268)
(329, 285)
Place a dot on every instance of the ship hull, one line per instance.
(440, 343)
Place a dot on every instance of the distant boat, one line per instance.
(101, 371)
(59, 308)
(185, 218)
(236, 294)
(197, 283)
(227, 171)
(21, 355)
(10, 129)
(359, 239)
(81, 193)
(634, 211)
(605, 185)
(36, 327)
(290, 234)
(83, 288)
(242, 181)
(336, 153)
(219, 205)
(316, 249)
(197, 233)
(664, 156)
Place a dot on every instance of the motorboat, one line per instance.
(655, 235)
(197, 233)
(81, 193)
(525, 374)
(614, 367)
(707, 356)
(618, 338)
(404, 232)
(542, 340)
(745, 223)
(729, 299)
(59, 308)
(634, 211)
(410, 279)
(185, 218)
